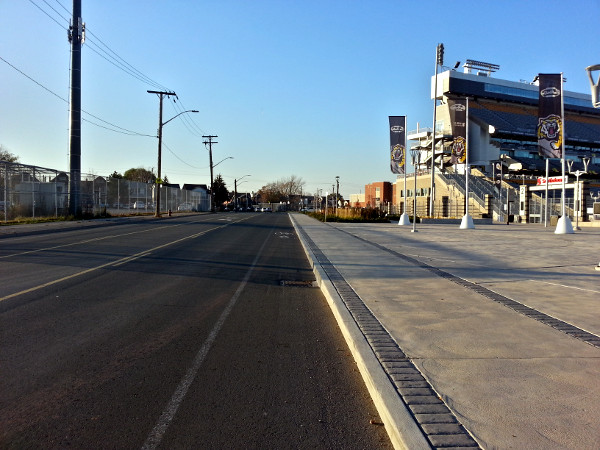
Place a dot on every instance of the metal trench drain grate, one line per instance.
(438, 423)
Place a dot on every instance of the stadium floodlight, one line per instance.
(480, 65)
(594, 85)
(440, 54)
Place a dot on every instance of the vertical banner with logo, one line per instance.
(550, 130)
(458, 120)
(398, 143)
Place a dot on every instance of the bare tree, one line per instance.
(291, 186)
(281, 190)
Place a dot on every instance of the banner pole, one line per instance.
(405, 155)
(546, 204)
(467, 220)
(564, 225)
(400, 142)
(563, 208)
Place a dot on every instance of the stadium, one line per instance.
(508, 177)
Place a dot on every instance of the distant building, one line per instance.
(378, 194)
(200, 199)
(357, 200)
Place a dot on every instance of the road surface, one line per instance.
(198, 331)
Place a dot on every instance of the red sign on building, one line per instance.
(541, 181)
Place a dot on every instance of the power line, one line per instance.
(59, 14)
(123, 130)
(184, 162)
(63, 7)
(187, 121)
(52, 18)
(105, 52)
(116, 60)
(123, 64)
(191, 118)
(36, 82)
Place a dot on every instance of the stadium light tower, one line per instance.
(439, 61)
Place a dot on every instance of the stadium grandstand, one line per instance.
(503, 117)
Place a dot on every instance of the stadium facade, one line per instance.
(502, 137)
(503, 121)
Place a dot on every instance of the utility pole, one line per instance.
(76, 37)
(160, 94)
(337, 195)
(235, 194)
(210, 142)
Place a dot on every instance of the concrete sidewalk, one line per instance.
(494, 331)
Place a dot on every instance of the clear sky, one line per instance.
(300, 87)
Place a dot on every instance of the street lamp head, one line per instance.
(415, 154)
(182, 112)
(224, 159)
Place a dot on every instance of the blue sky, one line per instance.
(299, 88)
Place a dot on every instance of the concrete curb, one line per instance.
(399, 423)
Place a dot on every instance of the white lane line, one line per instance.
(102, 238)
(132, 258)
(566, 286)
(155, 437)
(111, 263)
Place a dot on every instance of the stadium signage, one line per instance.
(550, 127)
(550, 92)
(541, 181)
(458, 123)
(397, 144)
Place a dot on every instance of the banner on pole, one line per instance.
(398, 143)
(458, 120)
(550, 121)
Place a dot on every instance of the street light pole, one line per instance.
(212, 166)
(235, 180)
(416, 160)
(162, 94)
(577, 189)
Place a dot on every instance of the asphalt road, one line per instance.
(173, 333)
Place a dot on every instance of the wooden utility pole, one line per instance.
(160, 94)
(210, 142)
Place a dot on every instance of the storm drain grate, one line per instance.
(438, 423)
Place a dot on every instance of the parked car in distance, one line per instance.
(139, 205)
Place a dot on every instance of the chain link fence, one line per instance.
(32, 191)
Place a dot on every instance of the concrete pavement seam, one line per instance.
(411, 402)
(557, 324)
